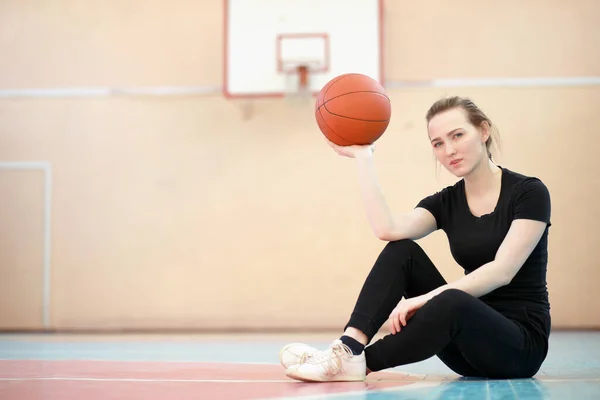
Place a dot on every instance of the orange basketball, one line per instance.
(353, 109)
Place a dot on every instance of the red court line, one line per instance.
(91, 380)
(137, 370)
(86, 390)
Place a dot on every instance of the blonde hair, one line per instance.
(474, 114)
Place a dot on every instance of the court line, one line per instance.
(133, 360)
(81, 379)
(58, 378)
(413, 383)
(364, 392)
(413, 386)
(144, 361)
(85, 379)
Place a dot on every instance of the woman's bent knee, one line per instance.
(453, 296)
(452, 301)
(407, 246)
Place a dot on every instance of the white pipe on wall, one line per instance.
(216, 90)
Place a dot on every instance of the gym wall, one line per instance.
(178, 213)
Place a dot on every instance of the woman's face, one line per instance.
(457, 144)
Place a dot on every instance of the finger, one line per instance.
(335, 146)
(394, 322)
(397, 323)
(403, 318)
(391, 324)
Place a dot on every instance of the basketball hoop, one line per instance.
(302, 77)
(303, 81)
(297, 85)
(302, 59)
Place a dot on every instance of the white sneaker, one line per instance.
(295, 353)
(336, 364)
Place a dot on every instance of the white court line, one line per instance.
(84, 379)
(320, 396)
(115, 360)
(411, 385)
(76, 379)
(413, 382)
(60, 378)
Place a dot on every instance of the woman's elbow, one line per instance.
(382, 234)
(387, 235)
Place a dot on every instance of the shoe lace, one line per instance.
(307, 355)
(331, 360)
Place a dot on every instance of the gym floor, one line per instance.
(152, 367)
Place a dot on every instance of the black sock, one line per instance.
(356, 346)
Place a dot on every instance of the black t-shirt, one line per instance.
(474, 241)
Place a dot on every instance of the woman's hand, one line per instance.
(404, 311)
(352, 151)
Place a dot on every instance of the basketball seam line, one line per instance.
(339, 78)
(354, 119)
(358, 91)
(330, 129)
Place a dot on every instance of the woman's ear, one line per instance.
(485, 131)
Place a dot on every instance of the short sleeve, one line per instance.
(532, 201)
(433, 204)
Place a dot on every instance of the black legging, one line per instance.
(469, 336)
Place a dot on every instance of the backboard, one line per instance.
(275, 47)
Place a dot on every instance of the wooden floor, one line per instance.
(231, 366)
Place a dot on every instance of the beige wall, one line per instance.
(21, 248)
(178, 213)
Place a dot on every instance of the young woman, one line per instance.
(495, 321)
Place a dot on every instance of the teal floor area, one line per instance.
(571, 370)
